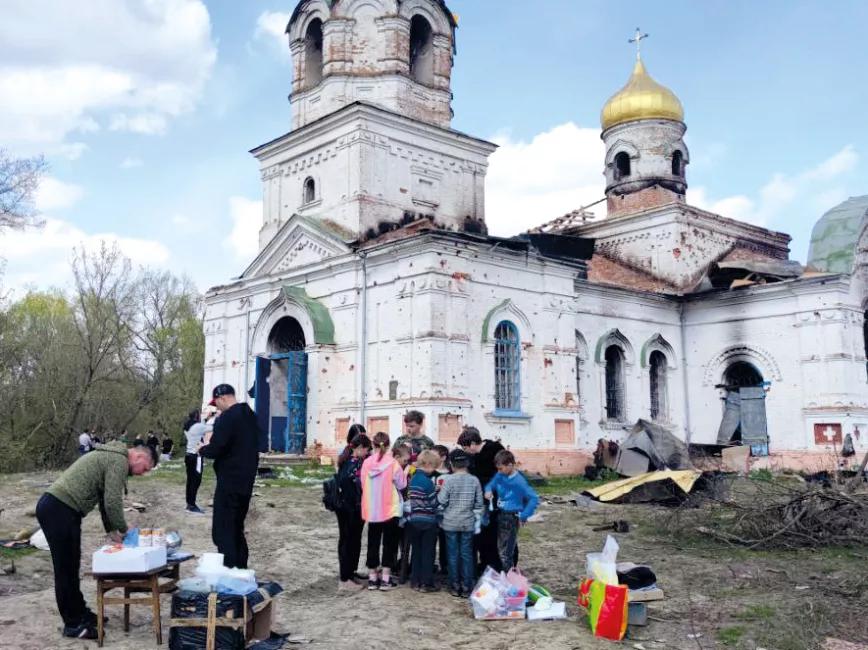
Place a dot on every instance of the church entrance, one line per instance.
(744, 414)
(281, 389)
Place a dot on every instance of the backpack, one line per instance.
(331, 494)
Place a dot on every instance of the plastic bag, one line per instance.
(132, 538)
(491, 597)
(517, 582)
(607, 608)
(603, 566)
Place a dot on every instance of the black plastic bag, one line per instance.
(191, 604)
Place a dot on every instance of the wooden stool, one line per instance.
(135, 583)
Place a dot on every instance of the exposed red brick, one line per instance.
(650, 197)
(604, 270)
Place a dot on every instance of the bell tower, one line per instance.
(643, 130)
(393, 53)
(371, 146)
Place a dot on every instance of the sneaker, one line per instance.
(387, 585)
(82, 631)
(429, 589)
(195, 510)
(373, 584)
(456, 591)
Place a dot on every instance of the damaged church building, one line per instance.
(377, 288)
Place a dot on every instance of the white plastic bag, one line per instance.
(602, 566)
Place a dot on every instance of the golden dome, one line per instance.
(640, 99)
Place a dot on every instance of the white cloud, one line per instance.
(813, 190)
(271, 25)
(41, 257)
(54, 194)
(246, 215)
(144, 123)
(64, 71)
(530, 183)
(131, 162)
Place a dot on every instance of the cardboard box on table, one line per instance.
(126, 560)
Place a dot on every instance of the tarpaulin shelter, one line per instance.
(651, 447)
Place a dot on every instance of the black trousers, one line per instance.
(194, 477)
(442, 551)
(485, 546)
(227, 526)
(350, 527)
(62, 527)
(422, 539)
(386, 532)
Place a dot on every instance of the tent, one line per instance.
(650, 447)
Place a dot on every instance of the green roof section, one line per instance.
(836, 236)
(323, 325)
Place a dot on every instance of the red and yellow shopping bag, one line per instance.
(607, 608)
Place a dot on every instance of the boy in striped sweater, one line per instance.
(461, 501)
(422, 522)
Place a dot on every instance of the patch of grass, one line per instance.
(14, 553)
(764, 475)
(569, 484)
(756, 613)
(730, 636)
(301, 475)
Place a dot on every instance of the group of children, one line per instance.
(418, 493)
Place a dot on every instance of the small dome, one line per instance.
(835, 238)
(641, 98)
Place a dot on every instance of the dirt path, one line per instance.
(715, 598)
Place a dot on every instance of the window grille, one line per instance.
(614, 383)
(507, 359)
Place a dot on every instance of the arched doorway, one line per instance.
(281, 388)
(742, 374)
(744, 415)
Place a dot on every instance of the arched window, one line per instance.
(421, 50)
(507, 360)
(677, 163)
(313, 53)
(615, 384)
(309, 190)
(622, 165)
(659, 399)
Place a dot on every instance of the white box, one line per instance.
(111, 559)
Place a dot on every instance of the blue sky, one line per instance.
(146, 112)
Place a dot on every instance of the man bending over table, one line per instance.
(96, 479)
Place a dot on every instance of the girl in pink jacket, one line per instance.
(382, 478)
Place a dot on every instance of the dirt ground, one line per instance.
(716, 597)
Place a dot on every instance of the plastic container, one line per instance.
(211, 561)
(515, 602)
(146, 537)
(158, 537)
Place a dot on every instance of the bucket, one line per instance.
(515, 602)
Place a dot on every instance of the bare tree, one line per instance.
(19, 178)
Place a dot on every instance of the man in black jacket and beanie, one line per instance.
(482, 453)
(234, 447)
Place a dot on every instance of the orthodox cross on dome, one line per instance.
(637, 39)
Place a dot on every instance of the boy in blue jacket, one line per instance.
(516, 501)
